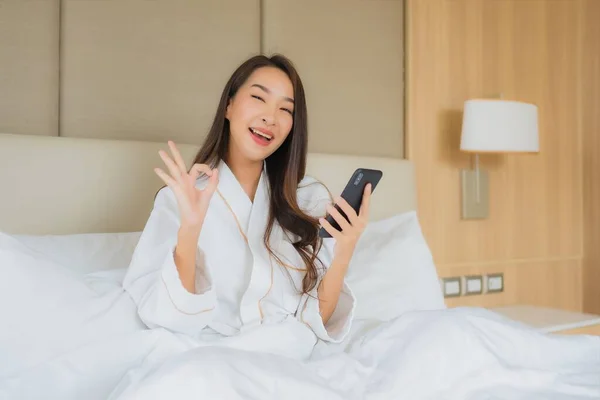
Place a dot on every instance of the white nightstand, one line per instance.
(552, 320)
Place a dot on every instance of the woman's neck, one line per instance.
(247, 172)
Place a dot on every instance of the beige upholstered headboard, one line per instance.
(58, 185)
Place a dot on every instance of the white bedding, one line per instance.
(86, 342)
(446, 354)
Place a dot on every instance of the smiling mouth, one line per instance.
(260, 134)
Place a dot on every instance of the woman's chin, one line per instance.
(256, 154)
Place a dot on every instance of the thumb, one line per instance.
(213, 181)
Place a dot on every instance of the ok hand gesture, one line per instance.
(191, 201)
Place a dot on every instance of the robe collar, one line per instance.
(251, 216)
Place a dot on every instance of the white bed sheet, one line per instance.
(447, 354)
(463, 353)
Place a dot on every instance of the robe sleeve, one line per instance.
(339, 324)
(153, 281)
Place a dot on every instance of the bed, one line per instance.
(70, 214)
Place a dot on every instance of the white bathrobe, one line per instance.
(240, 288)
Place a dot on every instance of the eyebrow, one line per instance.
(267, 90)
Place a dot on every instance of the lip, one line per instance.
(265, 131)
(260, 142)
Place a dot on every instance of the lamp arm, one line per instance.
(478, 198)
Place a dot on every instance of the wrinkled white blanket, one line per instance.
(466, 353)
(64, 339)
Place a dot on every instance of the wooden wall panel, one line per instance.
(591, 154)
(544, 283)
(521, 50)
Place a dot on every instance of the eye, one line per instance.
(259, 98)
(288, 111)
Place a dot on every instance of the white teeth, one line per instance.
(260, 134)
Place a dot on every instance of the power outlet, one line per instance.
(473, 284)
(495, 283)
(451, 287)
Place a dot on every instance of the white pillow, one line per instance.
(84, 253)
(47, 310)
(392, 270)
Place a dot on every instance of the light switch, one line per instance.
(451, 287)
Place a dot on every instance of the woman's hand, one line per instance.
(346, 239)
(191, 201)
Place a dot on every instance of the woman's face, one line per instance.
(261, 114)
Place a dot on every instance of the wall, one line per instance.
(154, 70)
(591, 156)
(81, 61)
(351, 56)
(532, 51)
(29, 75)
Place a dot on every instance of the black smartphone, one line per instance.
(353, 194)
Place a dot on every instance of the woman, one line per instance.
(231, 250)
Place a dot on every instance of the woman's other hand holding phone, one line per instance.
(345, 243)
(351, 229)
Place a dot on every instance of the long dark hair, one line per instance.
(285, 167)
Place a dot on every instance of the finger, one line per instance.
(165, 177)
(344, 225)
(365, 203)
(173, 169)
(177, 157)
(172, 184)
(199, 169)
(213, 182)
(347, 209)
(329, 228)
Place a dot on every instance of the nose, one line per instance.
(268, 120)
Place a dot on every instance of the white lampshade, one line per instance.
(499, 126)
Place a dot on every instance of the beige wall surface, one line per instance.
(350, 55)
(29, 61)
(154, 70)
(150, 70)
